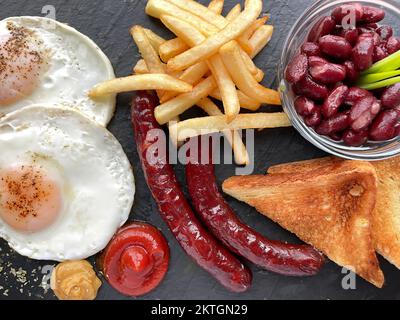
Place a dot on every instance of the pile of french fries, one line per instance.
(211, 56)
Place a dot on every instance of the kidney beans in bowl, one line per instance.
(322, 59)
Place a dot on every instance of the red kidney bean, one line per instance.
(310, 49)
(304, 106)
(391, 97)
(354, 94)
(345, 10)
(385, 126)
(372, 14)
(334, 101)
(351, 35)
(314, 119)
(380, 53)
(354, 138)
(385, 32)
(377, 39)
(218, 216)
(297, 69)
(363, 112)
(351, 71)
(370, 26)
(336, 136)
(393, 45)
(309, 88)
(322, 27)
(334, 124)
(173, 207)
(335, 46)
(363, 52)
(325, 72)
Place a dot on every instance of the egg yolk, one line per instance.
(29, 200)
(21, 64)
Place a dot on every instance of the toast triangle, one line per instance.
(329, 208)
(385, 219)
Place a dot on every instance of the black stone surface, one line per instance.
(107, 22)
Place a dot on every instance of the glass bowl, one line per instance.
(371, 150)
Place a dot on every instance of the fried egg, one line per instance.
(44, 61)
(66, 184)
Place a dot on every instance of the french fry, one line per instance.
(156, 8)
(183, 30)
(233, 137)
(259, 76)
(226, 87)
(148, 53)
(245, 101)
(249, 63)
(155, 40)
(206, 125)
(178, 46)
(225, 84)
(235, 11)
(216, 6)
(139, 82)
(243, 79)
(174, 107)
(172, 48)
(141, 67)
(191, 75)
(212, 44)
(243, 40)
(201, 11)
(260, 39)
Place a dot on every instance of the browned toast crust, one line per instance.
(385, 221)
(329, 208)
(386, 216)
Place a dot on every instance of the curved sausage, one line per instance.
(282, 258)
(173, 206)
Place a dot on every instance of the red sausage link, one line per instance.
(174, 208)
(282, 258)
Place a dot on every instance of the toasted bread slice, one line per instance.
(329, 208)
(385, 219)
(386, 216)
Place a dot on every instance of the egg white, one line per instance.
(74, 65)
(90, 167)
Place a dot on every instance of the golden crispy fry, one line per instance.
(235, 11)
(191, 75)
(193, 37)
(172, 48)
(216, 6)
(183, 30)
(141, 67)
(244, 38)
(212, 44)
(148, 53)
(243, 79)
(260, 39)
(156, 8)
(233, 137)
(174, 107)
(259, 76)
(226, 87)
(155, 40)
(249, 63)
(245, 101)
(206, 125)
(201, 11)
(140, 82)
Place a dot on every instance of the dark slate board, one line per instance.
(107, 22)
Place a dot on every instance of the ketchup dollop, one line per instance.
(136, 259)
